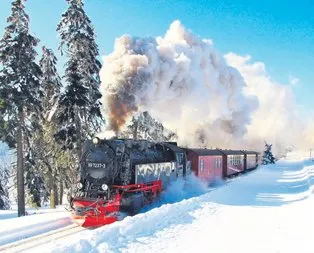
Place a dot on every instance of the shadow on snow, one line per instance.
(271, 185)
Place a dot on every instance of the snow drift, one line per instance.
(182, 81)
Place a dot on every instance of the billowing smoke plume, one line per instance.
(183, 82)
(277, 119)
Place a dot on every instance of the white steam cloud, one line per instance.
(183, 82)
(207, 99)
(277, 119)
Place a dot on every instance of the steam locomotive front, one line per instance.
(109, 178)
(97, 169)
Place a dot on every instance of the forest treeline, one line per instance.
(45, 116)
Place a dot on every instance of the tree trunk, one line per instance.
(52, 199)
(20, 166)
(135, 129)
(55, 188)
(78, 134)
(52, 192)
(61, 192)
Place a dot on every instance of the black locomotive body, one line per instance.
(125, 162)
(125, 174)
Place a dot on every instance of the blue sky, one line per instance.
(279, 33)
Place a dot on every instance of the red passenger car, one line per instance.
(251, 159)
(233, 162)
(206, 163)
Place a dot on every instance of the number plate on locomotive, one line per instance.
(96, 165)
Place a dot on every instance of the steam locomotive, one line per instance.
(122, 175)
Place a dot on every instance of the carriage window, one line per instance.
(180, 158)
(202, 164)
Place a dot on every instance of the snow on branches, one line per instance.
(268, 155)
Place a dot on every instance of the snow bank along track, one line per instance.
(35, 241)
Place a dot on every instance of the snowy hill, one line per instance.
(268, 210)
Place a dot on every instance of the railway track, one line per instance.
(27, 245)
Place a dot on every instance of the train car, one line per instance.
(121, 175)
(233, 162)
(206, 163)
(250, 159)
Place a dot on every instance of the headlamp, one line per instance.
(104, 187)
(96, 140)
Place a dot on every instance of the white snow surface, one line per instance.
(267, 210)
(13, 228)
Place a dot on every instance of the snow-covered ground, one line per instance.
(13, 228)
(268, 210)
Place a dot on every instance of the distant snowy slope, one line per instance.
(268, 210)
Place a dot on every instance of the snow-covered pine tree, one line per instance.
(80, 114)
(268, 155)
(51, 83)
(50, 157)
(4, 200)
(51, 89)
(35, 185)
(19, 92)
(5, 172)
(144, 126)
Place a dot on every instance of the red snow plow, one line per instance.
(126, 199)
(89, 213)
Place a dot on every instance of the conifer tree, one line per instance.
(5, 164)
(48, 152)
(51, 83)
(144, 126)
(79, 114)
(268, 155)
(35, 185)
(19, 92)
